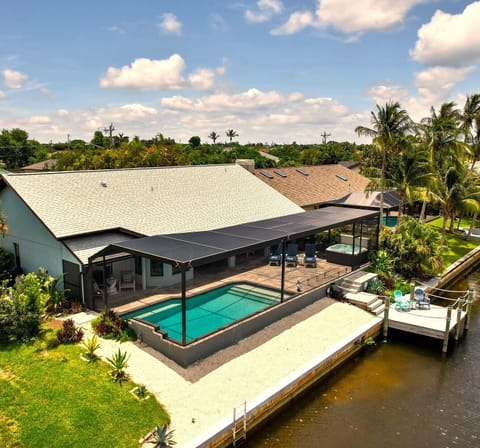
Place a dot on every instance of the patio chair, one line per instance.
(423, 302)
(292, 255)
(275, 257)
(310, 259)
(127, 280)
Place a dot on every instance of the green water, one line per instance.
(402, 394)
(209, 311)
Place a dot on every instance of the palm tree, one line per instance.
(471, 125)
(390, 126)
(214, 136)
(441, 135)
(231, 134)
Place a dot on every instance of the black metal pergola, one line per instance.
(192, 249)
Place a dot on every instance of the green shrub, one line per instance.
(7, 263)
(110, 326)
(51, 341)
(69, 333)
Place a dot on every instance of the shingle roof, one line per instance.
(148, 201)
(323, 184)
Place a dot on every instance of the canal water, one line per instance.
(404, 393)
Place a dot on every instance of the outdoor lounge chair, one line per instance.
(292, 255)
(127, 280)
(310, 258)
(423, 302)
(275, 257)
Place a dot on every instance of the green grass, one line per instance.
(51, 398)
(457, 247)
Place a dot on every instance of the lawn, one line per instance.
(457, 246)
(51, 398)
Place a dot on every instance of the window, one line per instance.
(16, 251)
(156, 268)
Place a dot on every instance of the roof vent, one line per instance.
(266, 174)
(299, 170)
(341, 177)
(103, 183)
(280, 173)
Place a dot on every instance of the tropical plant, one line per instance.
(69, 333)
(214, 136)
(376, 285)
(90, 346)
(414, 247)
(108, 324)
(141, 392)
(118, 362)
(231, 134)
(390, 127)
(382, 264)
(162, 437)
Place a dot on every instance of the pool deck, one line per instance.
(201, 398)
(252, 269)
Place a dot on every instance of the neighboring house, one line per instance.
(313, 186)
(57, 220)
(44, 165)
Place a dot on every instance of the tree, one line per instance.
(194, 141)
(231, 134)
(214, 136)
(390, 127)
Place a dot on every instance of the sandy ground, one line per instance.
(205, 393)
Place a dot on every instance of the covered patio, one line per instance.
(197, 250)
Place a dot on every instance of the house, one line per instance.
(44, 165)
(58, 220)
(311, 187)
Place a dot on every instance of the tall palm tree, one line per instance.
(231, 134)
(441, 133)
(471, 125)
(390, 126)
(214, 136)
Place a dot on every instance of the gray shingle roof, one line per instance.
(148, 201)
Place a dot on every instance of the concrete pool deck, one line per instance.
(201, 398)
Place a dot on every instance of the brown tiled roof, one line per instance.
(324, 183)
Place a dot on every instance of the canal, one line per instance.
(404, 393)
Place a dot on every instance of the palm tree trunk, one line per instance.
(423, 211)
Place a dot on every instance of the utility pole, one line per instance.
(325, 135)
(109, 131)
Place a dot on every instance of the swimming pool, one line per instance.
(209, 311)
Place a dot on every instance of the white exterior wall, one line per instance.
(168, 277)
(38, 247)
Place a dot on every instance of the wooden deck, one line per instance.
(252, 269)
(432, 322)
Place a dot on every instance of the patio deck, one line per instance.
(252, 269)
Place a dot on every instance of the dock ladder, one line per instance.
(239, 427)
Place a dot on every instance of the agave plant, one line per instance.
(142, 391)
(91, 345)
(163, 437)
(118, 362)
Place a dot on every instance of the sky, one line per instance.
(275, 71)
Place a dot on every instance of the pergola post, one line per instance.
(104, 279)
(184, 308)
(282, 286)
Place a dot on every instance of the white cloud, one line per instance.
(116, 29)
(165, 74)
(351, 17)
(384, 93)
(170, 24)
(266, 9)
(2, 95)
(295, 23)
(46, 92)
(450, 39)
(14, 79)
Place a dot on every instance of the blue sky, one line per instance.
(276, 71)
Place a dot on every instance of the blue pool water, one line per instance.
(209, 311)
(390, 221)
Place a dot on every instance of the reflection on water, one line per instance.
(401, 394)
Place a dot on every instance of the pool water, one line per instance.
(345, 248)
(209, 311)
